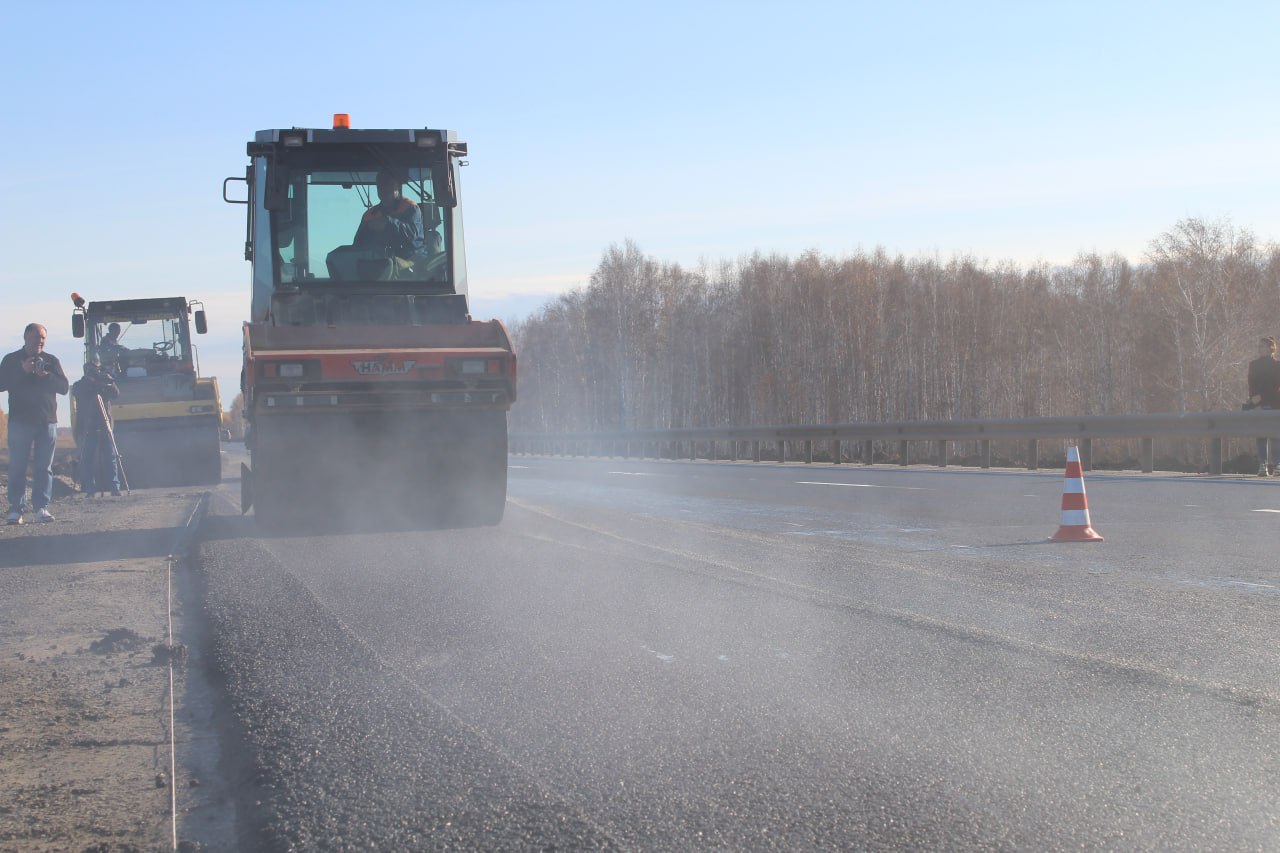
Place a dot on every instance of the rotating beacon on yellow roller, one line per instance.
(366, 380)
(168, 418)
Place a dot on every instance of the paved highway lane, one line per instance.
(713, 656)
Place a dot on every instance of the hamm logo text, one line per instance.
(380, 367)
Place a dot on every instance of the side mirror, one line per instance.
(77, 325)
(277, 194)
(202, 325)
(442, 183)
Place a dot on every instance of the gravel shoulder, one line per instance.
(86, 658)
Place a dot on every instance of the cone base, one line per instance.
(1068, 533)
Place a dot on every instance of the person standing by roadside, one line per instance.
(1264, 393)
(33, 379)
(93, 394)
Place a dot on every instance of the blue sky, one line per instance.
(1026, 132)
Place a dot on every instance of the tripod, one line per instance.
(111, 436)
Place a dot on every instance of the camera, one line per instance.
(38, 363)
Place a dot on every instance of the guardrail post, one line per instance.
(1033, 455)
(693, 450)
(941, 447)
(1148, 459)
(782, 450)
(902, 453)
(733, 450)
(755, 451)
(1086, 454)
(868, 452)
(835, 451)
(1215, 455)
(808, 451)
(984, 452)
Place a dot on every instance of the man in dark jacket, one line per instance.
(1264, 392)
(33, 379)
(93, 394)
(393, 223)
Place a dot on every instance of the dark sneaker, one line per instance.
(115, 493)
(14, 517)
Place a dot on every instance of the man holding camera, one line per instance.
(33, 379)
(1264, 392)
(93, 394)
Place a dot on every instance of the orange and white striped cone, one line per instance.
(1075, 505)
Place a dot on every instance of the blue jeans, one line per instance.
(93, 444)
(32, 443)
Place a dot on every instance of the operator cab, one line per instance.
(314, 238)
(309, 192)
(138, 338)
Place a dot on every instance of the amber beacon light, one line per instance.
(341, 121)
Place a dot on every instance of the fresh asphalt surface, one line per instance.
(678, 656)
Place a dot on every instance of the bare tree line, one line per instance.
(769, 339)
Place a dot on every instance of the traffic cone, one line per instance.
(1075, 506)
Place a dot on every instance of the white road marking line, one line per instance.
(665, 658)
(861, 486)
(525, 467)
(1247, 583)
(1264, 510)
(634, 473)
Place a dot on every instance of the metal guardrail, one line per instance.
(749, 442)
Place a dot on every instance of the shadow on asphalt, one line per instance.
(230, 528)
(64, 549)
